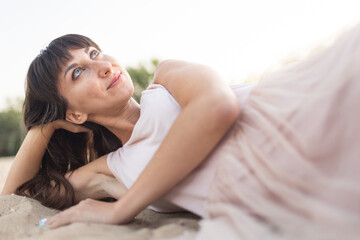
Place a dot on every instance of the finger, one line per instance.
(78, 129)
(71, 127)
(75, 128)
(58, 221)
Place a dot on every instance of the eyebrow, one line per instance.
(75, 64)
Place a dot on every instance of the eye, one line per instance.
(76, 73)
(94, 54)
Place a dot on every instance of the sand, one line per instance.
(5, 164)
(19, 218)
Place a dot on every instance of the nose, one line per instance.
(105, 69)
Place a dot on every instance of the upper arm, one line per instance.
(83, 175)
(85, 172)
(190, 82)
(95, 180)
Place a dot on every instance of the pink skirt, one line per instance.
(291, 169)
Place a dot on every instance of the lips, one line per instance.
(115, 81)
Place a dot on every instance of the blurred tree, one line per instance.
(12, 130)
(142, 75)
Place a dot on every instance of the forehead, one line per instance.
(77, 52)
(75, 55)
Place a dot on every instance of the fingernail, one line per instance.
(42, 222)
(23, 199)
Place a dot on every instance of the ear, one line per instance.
(76, 117)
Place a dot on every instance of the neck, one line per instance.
(120, 123)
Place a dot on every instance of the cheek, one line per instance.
(88, 96)
(84, 94)
(82, 97)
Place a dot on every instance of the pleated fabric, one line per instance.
(291, 167)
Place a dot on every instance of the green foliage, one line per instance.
(12, 130)
(141, 76)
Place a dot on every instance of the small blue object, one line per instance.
(23, 199)
(42, 222)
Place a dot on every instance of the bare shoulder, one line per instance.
(188, 81)
(167, 72)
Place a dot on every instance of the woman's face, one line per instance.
(94, 83)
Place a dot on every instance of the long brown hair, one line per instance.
(66, 151)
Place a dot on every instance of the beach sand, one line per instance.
(19, 218)
(5, 164)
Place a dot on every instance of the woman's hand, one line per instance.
(87, 211)
(71, 127)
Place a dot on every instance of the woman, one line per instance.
(285, 166)
(73, 80)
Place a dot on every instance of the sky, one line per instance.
(238, 38)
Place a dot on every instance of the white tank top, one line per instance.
(158, 111)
